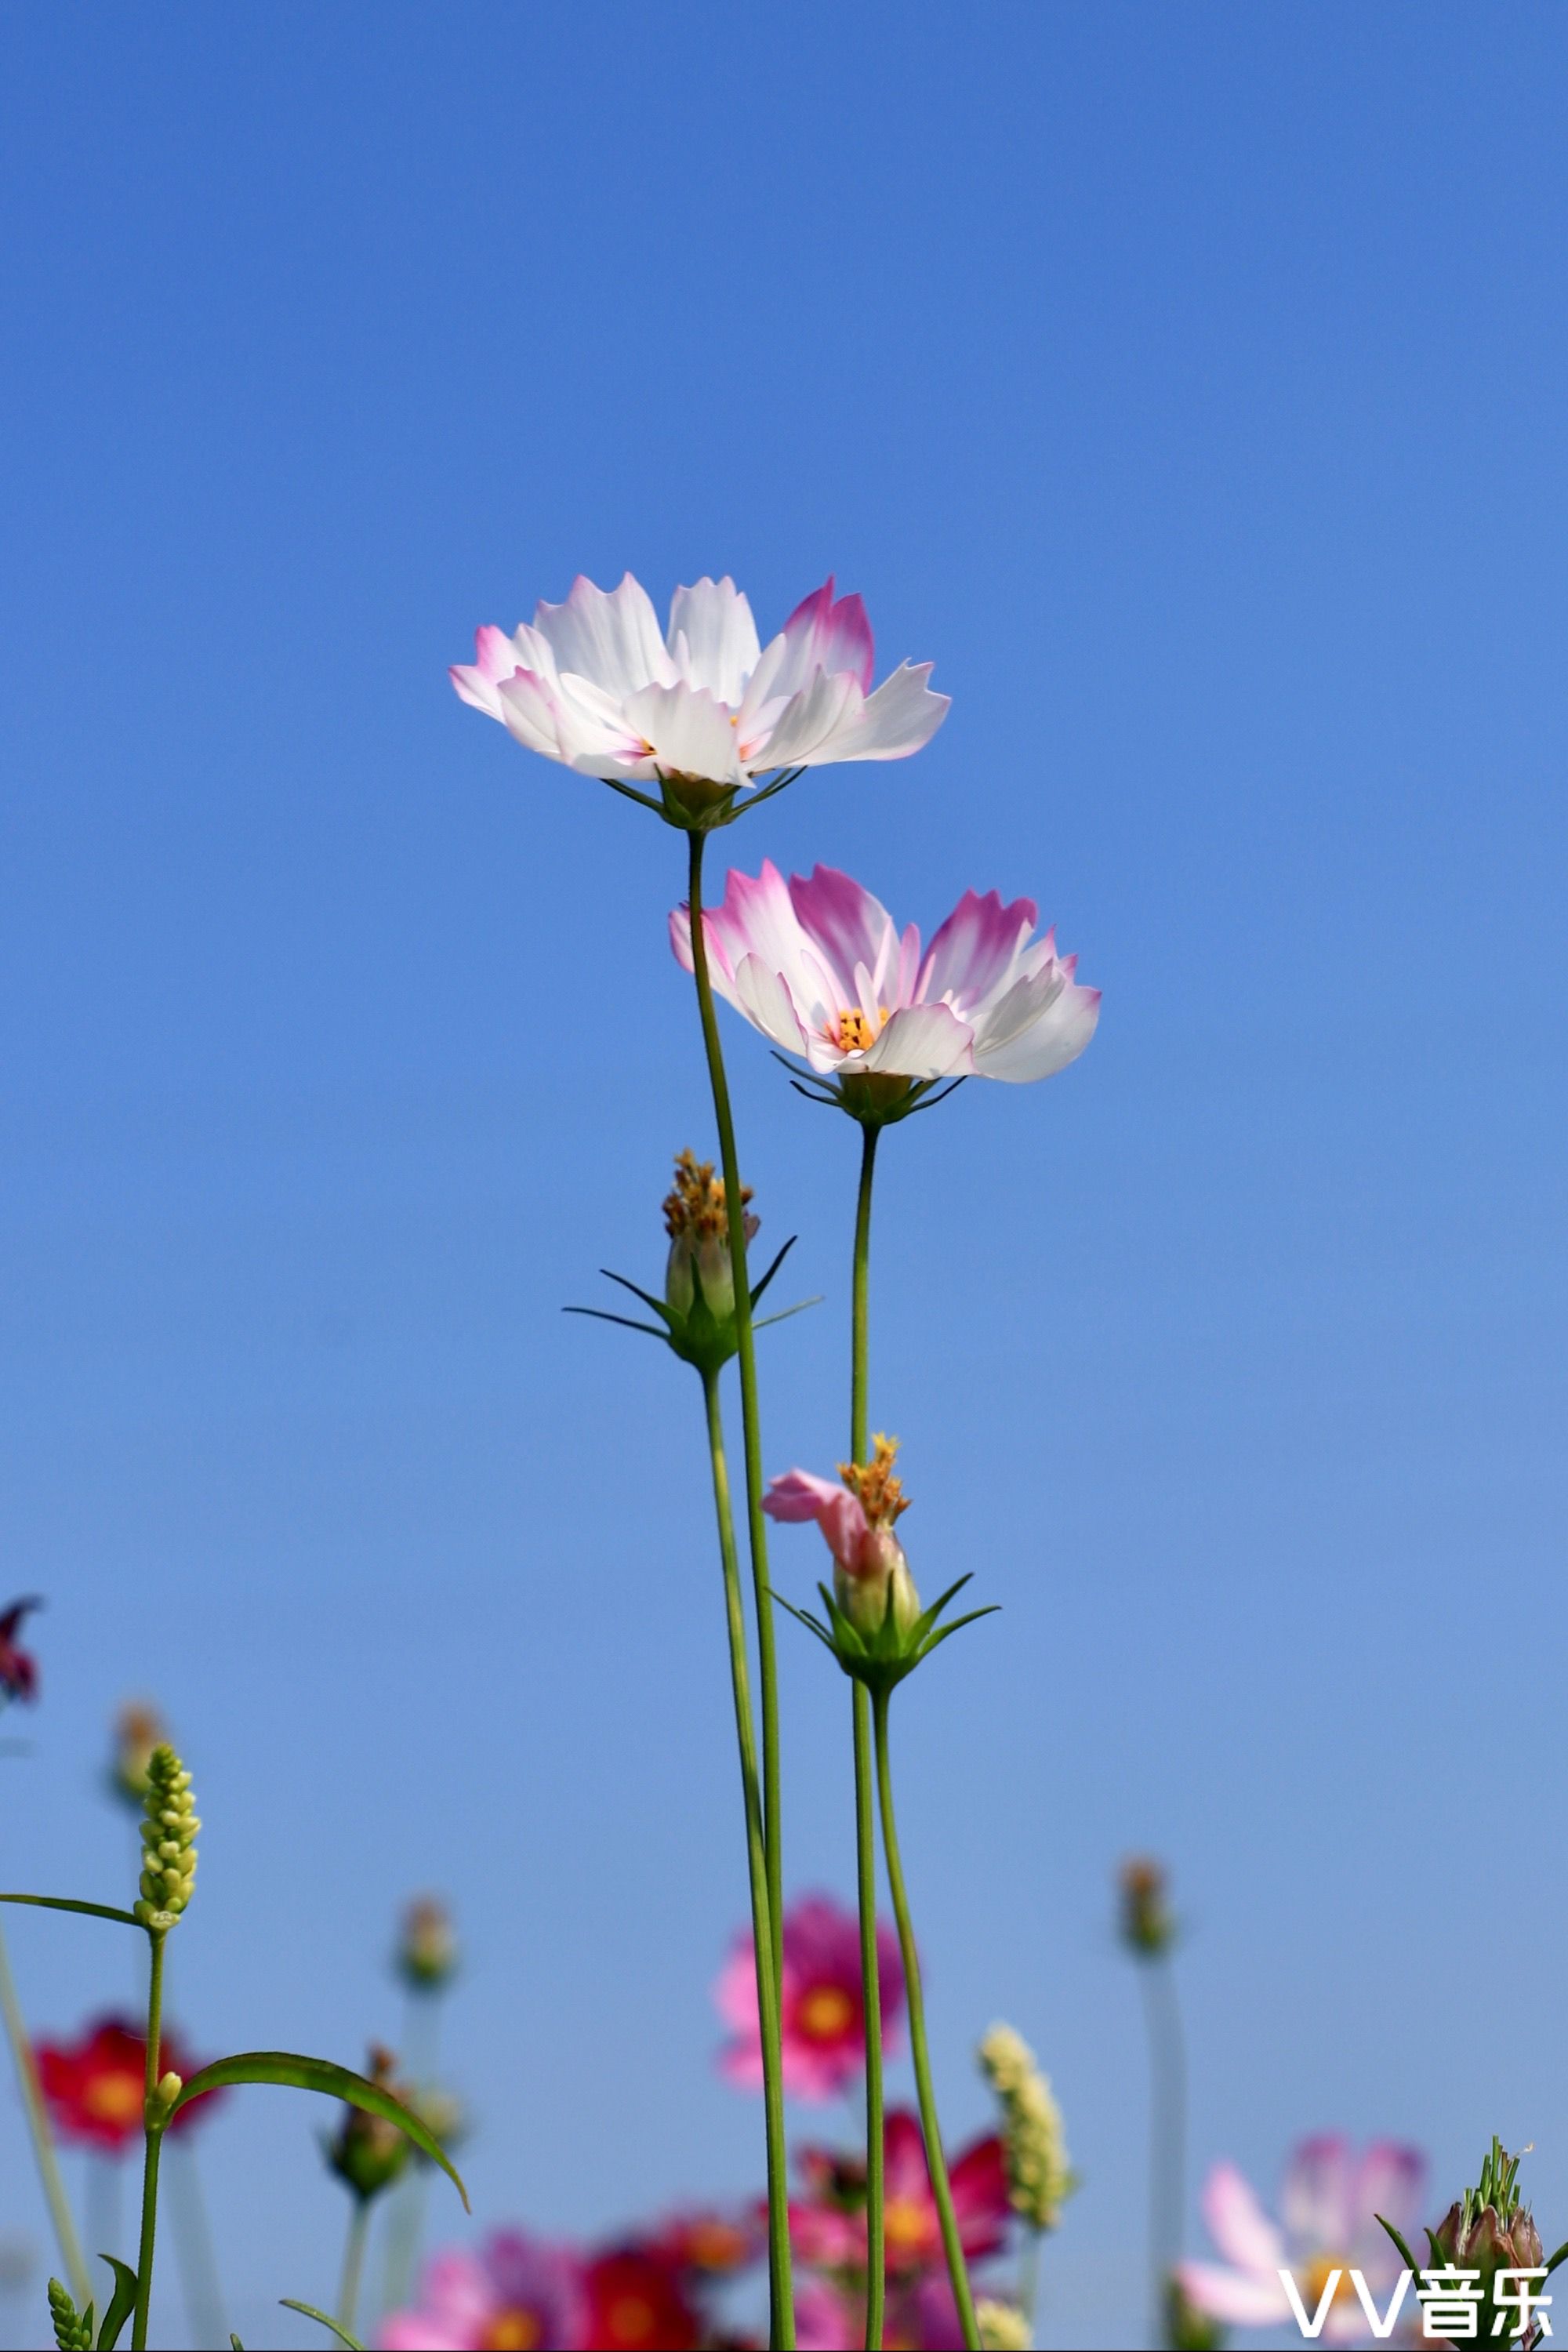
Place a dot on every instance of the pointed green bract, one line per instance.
(310, 2312)
(290, 2072)
(883, 1658)
(121, 2303)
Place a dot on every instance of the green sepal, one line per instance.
(877, 1099)
(70, 1903)
(293, 2072)
(310, 2311)
(704, 1335)
(881, 1657)
(1406, 2256)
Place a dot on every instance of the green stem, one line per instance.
(43, 2138)
(865, 1826)
(762, 1930)
(1167, 2132)
(405, 2208)
(784, 2310)
(935, 2160)
(353, 2262)
(154, 2123)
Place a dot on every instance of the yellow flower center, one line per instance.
(115, 2098)
(515, 2331)
(1315, 2278)
(876, 1484)
(854, 1031)
(905, 2224)
(695, 1206)
(631, 2317)
(825, 2012)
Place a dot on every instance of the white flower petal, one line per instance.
(902, 715)
(720, 647)
(610, 637)
(768, 1005)
(1044, 1041)
(923, 1041)
(691, 735)
(807, 721)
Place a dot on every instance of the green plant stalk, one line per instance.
(935, 2159)
(1167, 2130)
(406, 2214)
(353, 2262)
(44, 2152)
(783, 2316)
(779, 2285)
(865, 1824)
(154, 2131)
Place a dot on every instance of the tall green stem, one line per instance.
(865, 1826)
(353, 2262)
(43, 2138)
(1167, 2131)
(779, 2286)
(935, 2159)
(155, 2129)
(751, 1418)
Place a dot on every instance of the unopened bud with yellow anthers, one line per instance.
(697, 1313)
(1003, 2326)
(876, 1627)
(168, 1842)
(1040, 2180)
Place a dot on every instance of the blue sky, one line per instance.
(1186, 383)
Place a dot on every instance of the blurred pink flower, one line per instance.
(18, 1670)
(824, 2019)
(516, 2292)
(924, 2319)
(1328, 2203)
(818, 965)
(829, 2230)
(594, 684)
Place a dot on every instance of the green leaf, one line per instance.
(1406, 2256)
(1561, 2255)
(311, 2313)
(69, 1903)
(122, 2303)
(293, 2072)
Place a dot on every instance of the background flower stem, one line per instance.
(155, 2142)
(762, 1927)
(865, 1824)
(353, 2262)
(782, 2314)
(1167, 2131)
(44, 2152)
(935, 2160)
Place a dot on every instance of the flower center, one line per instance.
(905, 2224)
(515, 2331)
(113, 2098)
(854, 1031)
(631, 2320)
(825, 2012)
(876, 1484)
(1318, 2272)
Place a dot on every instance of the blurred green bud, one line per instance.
(367, 2152)
(1188, 2329)
(1003, 2326)
(1148, 1926)
(1034, 2139)
(168, 1842)
(427, 1948)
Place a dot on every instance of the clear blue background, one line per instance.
(1187, 383)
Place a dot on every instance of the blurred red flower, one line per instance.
(95, 2087)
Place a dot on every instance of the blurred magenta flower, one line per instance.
(922, 2318)
(823, 2021)
(1328, 2203)
(594, 684)
(828, 2228)
(515, 2295)
(638, 2303)
(818, 965)
(18, 1669)
(96, 2088)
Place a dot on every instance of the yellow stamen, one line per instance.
(116, 2098)
(880, 1492)
(695, 1206)
(855, 1029)
(825, 2012)
(515, 2331)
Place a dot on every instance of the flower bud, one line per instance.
(427, 1950)
(1148, 1927)
(165, 2093)
(367, 2151)
(138, 1729)
(168, 1842)
(1003, 2326)
(1034, 2139)
(696, 1218)
(73, 2330)
(864, 1594)
(1488, 2230)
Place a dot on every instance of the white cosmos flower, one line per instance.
(594, 684)
(818, 965)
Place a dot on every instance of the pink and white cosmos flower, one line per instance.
(863, 1549)
(818, 965)
(1329, 2204)
(595, 684)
